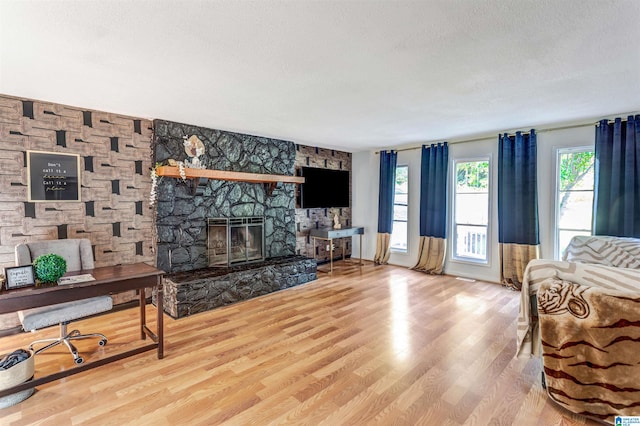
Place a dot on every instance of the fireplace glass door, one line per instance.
(235, 240)
(246, 236)
(217, 242)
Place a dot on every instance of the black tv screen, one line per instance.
(324, 188)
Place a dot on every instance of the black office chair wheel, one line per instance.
(79, 360)
(102, 342)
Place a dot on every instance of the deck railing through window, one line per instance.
(471, 241)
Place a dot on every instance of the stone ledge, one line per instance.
(192, 292)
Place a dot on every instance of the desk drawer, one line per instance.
(328, 233)
(341, 233)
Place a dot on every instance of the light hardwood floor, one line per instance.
(370, 345)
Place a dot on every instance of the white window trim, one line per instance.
(452, 215)
(396, 250)
(556, 216)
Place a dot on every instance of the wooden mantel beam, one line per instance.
(172, 171)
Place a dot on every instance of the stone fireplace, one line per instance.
(182, 213)
(222, 241)
(234, 241)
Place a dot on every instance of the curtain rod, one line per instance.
(488, 137)
(543, 130)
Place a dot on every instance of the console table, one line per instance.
(330, 234)
(108, 280)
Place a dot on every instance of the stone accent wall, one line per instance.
(307, 219)
(181, 215)
(115, 184)
(188, 293)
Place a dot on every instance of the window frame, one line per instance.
(399, 249)
(556, 216)
(454, 239)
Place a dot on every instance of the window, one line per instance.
(400, 210)
(471, 210)
(574, 195)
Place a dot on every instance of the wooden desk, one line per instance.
(108, 280)
(329, 234)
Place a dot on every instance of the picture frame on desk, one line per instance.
(19, 276)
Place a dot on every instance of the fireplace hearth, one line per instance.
(191, 292)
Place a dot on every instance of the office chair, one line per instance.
(79, 256)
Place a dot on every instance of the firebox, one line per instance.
(236, 240)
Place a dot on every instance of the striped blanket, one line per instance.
(528, 335)
(591, 348)
(604, 250)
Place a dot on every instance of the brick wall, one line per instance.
(114, 162)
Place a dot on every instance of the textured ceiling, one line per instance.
(352, 75)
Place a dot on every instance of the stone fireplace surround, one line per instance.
(181, 217)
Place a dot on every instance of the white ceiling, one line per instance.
(351, 75)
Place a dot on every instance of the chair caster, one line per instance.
(78, 360)
(102, 342)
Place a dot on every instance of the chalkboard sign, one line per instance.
(53, 176)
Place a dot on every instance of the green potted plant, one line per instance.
(49, 268)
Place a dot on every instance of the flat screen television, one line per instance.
(324, 188)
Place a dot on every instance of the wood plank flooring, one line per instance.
(370, 345)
